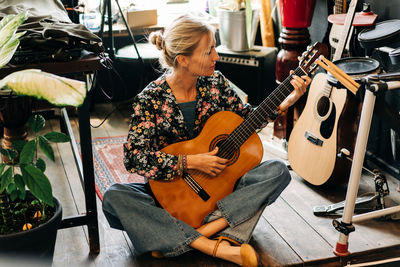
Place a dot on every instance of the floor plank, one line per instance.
(288, 233)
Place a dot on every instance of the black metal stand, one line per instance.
(110, 48)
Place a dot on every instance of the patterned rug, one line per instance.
(108, 166)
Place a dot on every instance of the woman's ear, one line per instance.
(182, 60)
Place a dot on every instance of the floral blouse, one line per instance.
(157, 122)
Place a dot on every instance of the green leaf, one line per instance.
(9, 40)
(22, 194)
(11, 188)
(2, 166)
(58, 90)
(6, 20)
(11, 154)
(19, 182)
(36, 122)
(41, 164)
(46, 147)
(28, 152)
(57, 137)
(8, 49)
(5, 179)
(249, 22)
(18, 144)
(9, 28)
(14, 194)
(38, 184)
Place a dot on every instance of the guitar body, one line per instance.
(179, 199)
(193, 196)
(312, 146)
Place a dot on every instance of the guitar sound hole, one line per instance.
(226, 150)
(323, 106)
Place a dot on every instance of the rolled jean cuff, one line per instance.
(181, 248)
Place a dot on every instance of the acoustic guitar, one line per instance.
(337, 29)
(312, 146)
(365, 18)
(194, 195)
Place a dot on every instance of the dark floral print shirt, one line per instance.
(157, 122)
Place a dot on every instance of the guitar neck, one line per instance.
(263, 111)
(340, 7)
(345, 31)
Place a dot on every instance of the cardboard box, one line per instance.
(141, 17)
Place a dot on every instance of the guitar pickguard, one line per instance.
(328, 125)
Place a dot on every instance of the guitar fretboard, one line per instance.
(258, 116)
(340, 7)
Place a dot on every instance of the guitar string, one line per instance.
(255, 116)
(249, 126)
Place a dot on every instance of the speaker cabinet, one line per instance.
(252, 71)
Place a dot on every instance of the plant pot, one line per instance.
(14, 113)
(37, 243)
(232, 29)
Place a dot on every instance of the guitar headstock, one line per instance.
(307, 59)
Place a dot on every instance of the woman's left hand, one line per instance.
(300, 85)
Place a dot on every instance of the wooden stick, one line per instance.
(340, 75)
(346, 76)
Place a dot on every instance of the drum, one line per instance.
(395, 56)
(382, 34)
(356, 68)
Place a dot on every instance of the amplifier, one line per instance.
(252, 71)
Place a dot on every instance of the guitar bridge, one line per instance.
(196, 187)
(313, 139)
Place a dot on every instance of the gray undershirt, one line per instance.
(189, 112)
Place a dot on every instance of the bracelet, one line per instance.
(179, 170)
(184, 163)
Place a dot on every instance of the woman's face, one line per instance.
(202, 61)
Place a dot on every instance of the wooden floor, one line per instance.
(288, 233)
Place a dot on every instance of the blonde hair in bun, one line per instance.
(156, 39)
(180, 38)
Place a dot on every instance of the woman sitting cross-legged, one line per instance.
(175, 108)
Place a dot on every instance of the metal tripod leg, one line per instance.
(356, 168)
(345, 225)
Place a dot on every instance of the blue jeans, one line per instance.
(133, 208)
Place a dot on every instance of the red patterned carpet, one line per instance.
(108, 165)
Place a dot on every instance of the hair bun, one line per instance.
(157, 39)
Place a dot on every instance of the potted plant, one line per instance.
(29, 213)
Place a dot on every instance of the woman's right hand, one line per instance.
(208, 163)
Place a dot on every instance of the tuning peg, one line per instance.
(309, 47)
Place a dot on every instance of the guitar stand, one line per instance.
(381, 190)
(345, 226)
